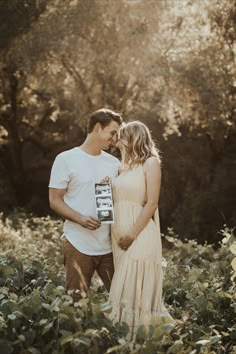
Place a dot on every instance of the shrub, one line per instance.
(37, 315)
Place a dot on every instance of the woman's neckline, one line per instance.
(130, 168)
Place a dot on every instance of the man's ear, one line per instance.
(97, 128)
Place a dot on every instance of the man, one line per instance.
(87, 245)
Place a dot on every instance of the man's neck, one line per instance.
(90, 147)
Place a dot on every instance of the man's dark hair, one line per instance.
(104, 117)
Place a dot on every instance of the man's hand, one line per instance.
(126, 242)
(88, 222)
(56, 198)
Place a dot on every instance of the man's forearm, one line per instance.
(62, 209)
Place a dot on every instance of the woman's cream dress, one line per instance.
(136, 289)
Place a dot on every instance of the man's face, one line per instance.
(108, 134)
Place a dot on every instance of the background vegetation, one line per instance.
(38, 316)
(168, 63)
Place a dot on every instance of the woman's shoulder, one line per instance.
(152, 161)
(152, 165)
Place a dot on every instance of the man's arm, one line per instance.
(56, 201)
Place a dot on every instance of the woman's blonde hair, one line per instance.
(138, 144)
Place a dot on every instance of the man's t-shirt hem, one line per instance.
(87, 252)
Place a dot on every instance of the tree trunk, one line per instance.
(18, 176)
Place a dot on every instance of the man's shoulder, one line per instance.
(67, 153)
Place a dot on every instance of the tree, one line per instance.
(168, 63)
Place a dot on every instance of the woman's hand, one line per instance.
(126, 242)
(106, 179)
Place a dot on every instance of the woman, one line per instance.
(136, 289)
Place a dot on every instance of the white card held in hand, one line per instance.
(104, 202)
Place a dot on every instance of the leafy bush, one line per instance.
(37, 315)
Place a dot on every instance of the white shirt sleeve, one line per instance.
(60, 173)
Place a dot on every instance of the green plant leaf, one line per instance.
(6, 347)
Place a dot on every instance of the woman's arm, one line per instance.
(152, 171)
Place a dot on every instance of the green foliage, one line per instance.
(37, 315)
(170, 64)
(16, 17)
(230, 240)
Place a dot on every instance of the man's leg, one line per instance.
(79, 269)
(105, 269)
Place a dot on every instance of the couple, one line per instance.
(135, 289)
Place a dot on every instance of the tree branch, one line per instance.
(78, 79)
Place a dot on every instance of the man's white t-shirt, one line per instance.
(77, 172)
